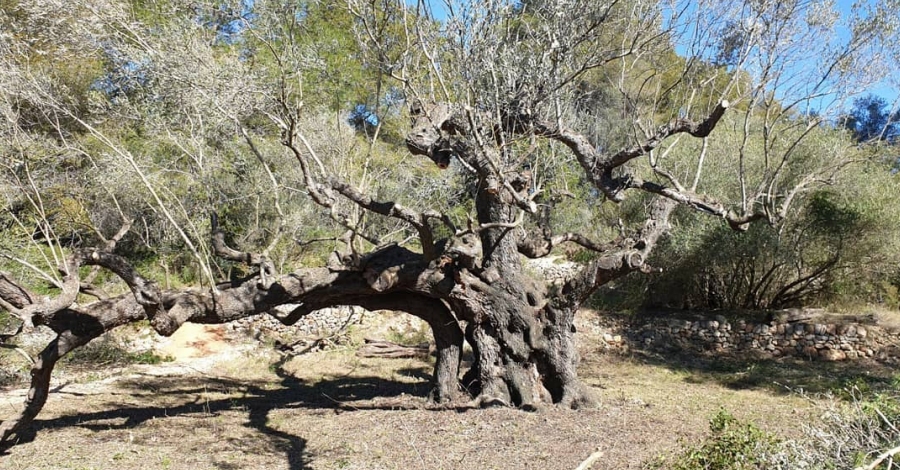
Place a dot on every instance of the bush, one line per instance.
(732, 445)
(851, 433)
(839, 247)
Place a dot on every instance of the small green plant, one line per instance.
(108, 351)
(148, 357)
(732, 445)
(410, 337)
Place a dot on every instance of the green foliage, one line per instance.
(732, 445)
(838, 245)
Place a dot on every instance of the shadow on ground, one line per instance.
(779, 376)
(257, 399)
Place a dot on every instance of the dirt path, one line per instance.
(223, 405)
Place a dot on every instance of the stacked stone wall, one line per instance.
(809, 338)
(319, 323)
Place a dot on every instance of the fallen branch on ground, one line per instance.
(387, 349)
(881, 458)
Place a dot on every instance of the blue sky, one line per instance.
(884, 90)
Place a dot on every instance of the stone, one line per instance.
(810, 351)
(833, 355)
(861, 332)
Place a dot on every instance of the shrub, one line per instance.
(732, 445)
(848, 435)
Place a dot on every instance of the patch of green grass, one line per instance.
(8, 322)
(411, 337)
(780, 376)
(106, 351)
(148, 357)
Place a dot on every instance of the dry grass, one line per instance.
(332, 410)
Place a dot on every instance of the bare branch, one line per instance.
(881, 458)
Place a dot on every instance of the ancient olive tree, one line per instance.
(538, 110)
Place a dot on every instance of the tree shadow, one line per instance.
(781, 376)
(258, 398)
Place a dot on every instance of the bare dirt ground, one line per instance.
(226, 404)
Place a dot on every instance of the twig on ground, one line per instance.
(20, 351)
(387, 349)
(888, 454)
(586, 464)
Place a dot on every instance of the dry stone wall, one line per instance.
(319, 323)
(807, 338)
